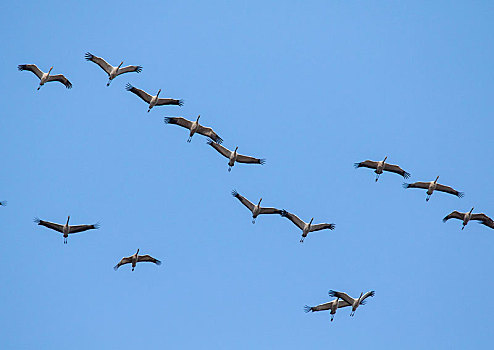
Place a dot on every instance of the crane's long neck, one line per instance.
(137, 253)
(48, 74)
(68, 218)
(435, 181)
(158, 93)
(385, 159)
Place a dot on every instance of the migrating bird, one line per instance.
(466, 217)
(353, 302)
(255, 209)
(153, 100)
(305, 227)
(382, 166)
(194, 127)
(134, 259)
(332, 305)
(234, 156)
(112, 72)
(66, 229)
(45, 77)
(433, 186)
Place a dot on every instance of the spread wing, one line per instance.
(243, 200)
(325, 306)
(142, 94)
(124, 261)
(60, 78)
(366, 164)
(396, 169)
(179, 121)
(454, 215)
(341, 295)
(100, 62)
(424, 185)
(169, 101)
(148, 258)
(484, 219)
(51, 225)
(81, 228)
(450, 190)
(32, 68)
(365, 296)
(209, 133)
(225, 152)
(246, 159)
(270, 211)
(293, 218)
(129, 69)
(319, 227)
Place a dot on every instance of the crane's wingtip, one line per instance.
(406, 175)
(37, 220)
(372, 293)
(445, 219)
(461, 194)
(262, 161)
(284, 213)
(128, 87)
(356, 165)
(97, 225)
(332, 226)
(139, 69)
(115, 267)
(210, 142)
(406, 185)
(332, 293)
(21, 67)
(219, 140)
(234, 193)
(180, 103)
(158, 262)
(307, 308)
(167, 120)
(88, 56)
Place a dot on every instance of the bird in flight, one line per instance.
(66, 229)
(112, 71)
(134, 259)
(45, 77)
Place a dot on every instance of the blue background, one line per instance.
(311, 86)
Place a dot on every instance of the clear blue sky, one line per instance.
(313, 86)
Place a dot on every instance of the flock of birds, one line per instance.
(342, 299)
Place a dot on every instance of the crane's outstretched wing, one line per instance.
(454, 215)
(365, 296)
(246, 159)
(124, 261)
(319, 227)
(450, 190)
(60, 78)
(243, 200)
(51, 225)
(81, 228)
(396, 169)
(270, 211)
(325, 306)
(484, 219)
(169, 101)
(142, 94)
(100, 62)
(341, 295)
(208, 132)
(293, 218)
(366, 164)
(32, 68)
(129, 69)
(179, 121)
(148, 258)
(424, 185)
(224, 151)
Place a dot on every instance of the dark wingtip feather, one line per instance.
(21, 67)
(180, 102)
(68, 85)
(168, 120)
(158, 262)
(372, 293)
(234, 193)
(139, 69)
(262, 161)
(210, 142)
(97, 225)
(406, 175)
(332, 293)
(37, 220)
(88, 56)
(115, 267)
(219, 140)
(284, 213)
(445, 219)
(356, 165)
(461, 194)
(307, 308)
(128, 87)
(332, 226)
(406, 185)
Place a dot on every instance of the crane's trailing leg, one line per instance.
(428, 197)
(377, 177)
(229, 168)
(189, 139)
(253, 220)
